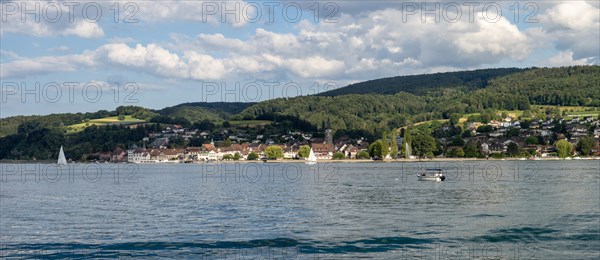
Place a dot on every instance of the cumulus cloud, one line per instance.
(565, 58)
(51, 18)
(316, 66)
(84, 29)
(204, 67)
(22, 67)
(377, 43)
(214, 12)
(574, 26)
(380, 44)
(45, 19)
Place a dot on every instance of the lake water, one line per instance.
(485, 210)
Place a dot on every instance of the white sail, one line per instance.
(61, 157)
(407, 150)
(312, 159)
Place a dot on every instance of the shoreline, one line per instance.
(319, 161)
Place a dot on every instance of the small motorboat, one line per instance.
(432, 175)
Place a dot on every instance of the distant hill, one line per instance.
(193, 112)
(422, 84)
(219, 107)
(198, 111)
(10, 125)
(375, 111)
(382, 103)
(565, 86)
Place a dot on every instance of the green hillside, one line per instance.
(198, 111)
(567, 86)
(422, 84)
(113, 120)
(10, 125)
(375, 112)
(378, 104)
(564, 92)
(191, 112)
(222, 109)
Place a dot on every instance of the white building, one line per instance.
(138, 156)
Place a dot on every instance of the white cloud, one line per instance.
(575, 26)
(84, 29)
(566, 59)
(494, 39)
(203, 11)
(204, 67)
(50, 22)
(317, 67)
(23, 67)
(151, 58)
(59, 18)
(377, 45)
(572, 15)
(373, 44)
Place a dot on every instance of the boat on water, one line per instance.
(312, 159)
(432, 175)
(62, 160)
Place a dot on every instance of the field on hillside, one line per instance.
(570, 115)
(572, 111)
(568, 108)
(113, 120)
(249, 123)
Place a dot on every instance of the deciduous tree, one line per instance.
(564, 148)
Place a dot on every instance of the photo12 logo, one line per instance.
(252, 173)
(454, 12)
(256, 91)
(55, 12)
(476, 171)
(53, 173)
(269, 12)
(71, 92)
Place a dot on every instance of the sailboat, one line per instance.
(312, 159)
(408, 151)
(61, 157)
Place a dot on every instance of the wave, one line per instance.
(218, 249)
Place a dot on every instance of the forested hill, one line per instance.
(25, 137)
(186, 112)
(200, 111)
(567, 86)
(422, 84)
(412, 99)
(228, 108)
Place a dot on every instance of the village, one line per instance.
(491, 140)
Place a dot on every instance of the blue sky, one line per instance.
(162, 53)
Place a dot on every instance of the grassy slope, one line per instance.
(249, 123)
(102, 122)
(577, 111)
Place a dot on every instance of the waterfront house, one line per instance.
(498, 147)
(209, 147)
(290, 152)
(138, 155)
(323, 151)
